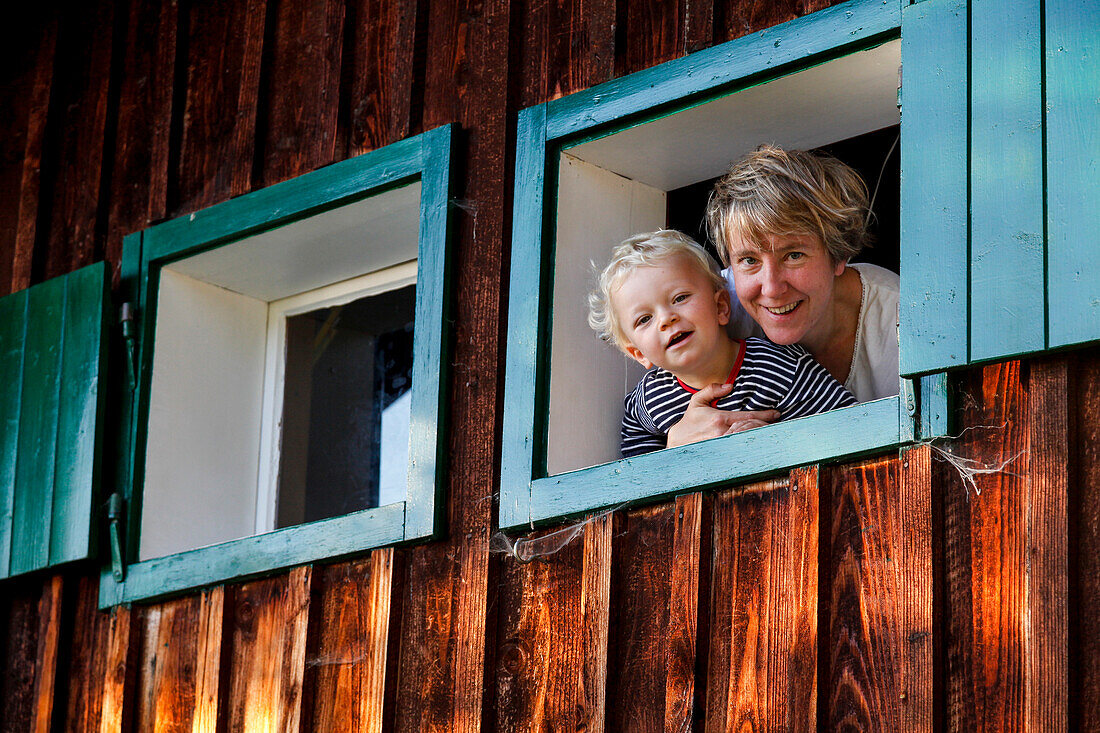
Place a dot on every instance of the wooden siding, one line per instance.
(885, 594)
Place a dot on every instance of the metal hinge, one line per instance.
(127, 316)
(115, 513)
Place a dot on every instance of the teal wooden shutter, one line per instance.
(1000, 183)
(1072, 82)
(51, 398)
(934, 266)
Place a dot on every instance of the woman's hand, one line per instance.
(701, 421)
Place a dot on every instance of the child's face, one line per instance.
(672, 317)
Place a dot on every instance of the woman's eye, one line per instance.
(747, 261)
(796, 256)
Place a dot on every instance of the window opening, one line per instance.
(346, 398)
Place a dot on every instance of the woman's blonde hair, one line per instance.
(775, 191)
(642, 250)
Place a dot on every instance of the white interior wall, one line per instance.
(597, 209)
(204, 417)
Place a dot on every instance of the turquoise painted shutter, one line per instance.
(1007, 305)
(1073, 170)
(934, 267)
(51, 399)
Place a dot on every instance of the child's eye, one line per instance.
(681, 297)
(641, 321)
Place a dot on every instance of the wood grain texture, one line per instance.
(209, 658)
(639, 634)
(26, 196)
(18, 645)
(349, 634)
(224, 48)
(86, 675)
(45, 662)
(139, 177)
(763, 658)
(166, 684)
(300, 93)
(76, 137)
(553, 610)
(1047, 614)
(648, 34)
(880, 595)
(267, 652)
(683, 614)
(985, 555)
(380, 39)
(564, 46)
(443, 672)
(23, 69)
(119, 673)
(1084, 542)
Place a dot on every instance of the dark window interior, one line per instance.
(875, 156)
(346, 368)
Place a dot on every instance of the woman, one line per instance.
(786, 223)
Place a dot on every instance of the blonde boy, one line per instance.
(662, 301)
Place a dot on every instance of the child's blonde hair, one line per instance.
(776, 191)
(642, 250)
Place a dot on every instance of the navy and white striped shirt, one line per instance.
(767, 377)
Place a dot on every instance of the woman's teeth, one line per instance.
(783, 309)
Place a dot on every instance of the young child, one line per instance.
(662, 301)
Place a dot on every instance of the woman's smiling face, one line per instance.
(787, 285)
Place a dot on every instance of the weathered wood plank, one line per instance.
(167, 643)
(139, 175)
(86, 674)
(763, 658)
(565, 46)
(75, 138)
(649, 33)
(18, 646)
(985, 555)
(116, 706)
(45, 661)
(267, 652)
(349, 634)
(25, 197)
(224, 50)
(683, 621)
(552, 658)
(641, 594)
(1046, 631)
(1084, 543)
(28, 62)
(209, 655)
(378, 74)
(880, 604)
(447, 593)
(300, 93)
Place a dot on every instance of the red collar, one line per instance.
(732, 375)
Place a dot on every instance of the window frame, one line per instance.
(528, 495)
(426, 157)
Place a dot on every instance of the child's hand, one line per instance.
(701, 421)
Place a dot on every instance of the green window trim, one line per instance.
(528, 495)
(425, 158)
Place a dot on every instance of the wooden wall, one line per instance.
(886, 594)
